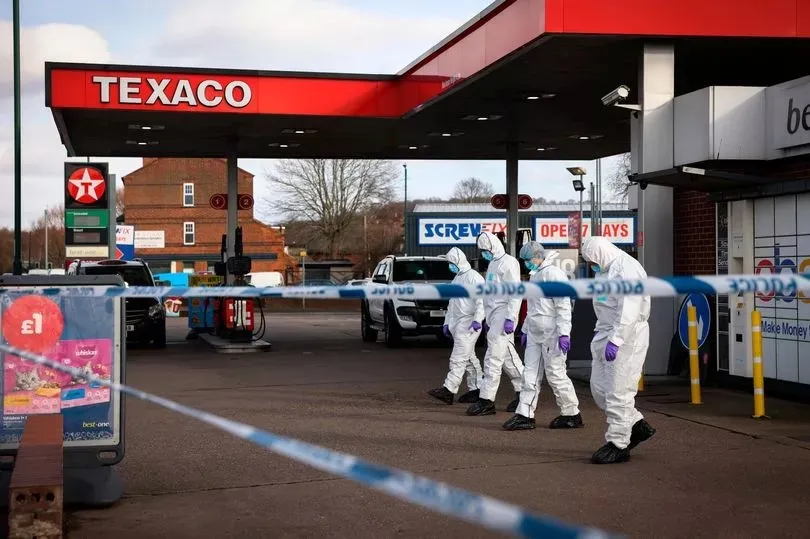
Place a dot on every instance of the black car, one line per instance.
(145, 317)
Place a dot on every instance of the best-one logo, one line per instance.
(172, 91)
(778, 265)
(797, 118)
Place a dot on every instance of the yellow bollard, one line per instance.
(759, 376)
(694, 364)
(641, 382)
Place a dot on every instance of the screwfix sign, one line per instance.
(457, 231)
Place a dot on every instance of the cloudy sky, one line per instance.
(318, 35)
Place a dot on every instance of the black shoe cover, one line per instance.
(443, 394)
(470, 397)
(567, 422)
(514, 404)
(519, 422)
(482, 407)
(642, 431)
(610, 454)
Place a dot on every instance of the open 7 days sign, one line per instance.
(551, 230)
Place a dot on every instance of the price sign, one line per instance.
(33, 323)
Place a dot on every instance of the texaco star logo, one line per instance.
(86, 185)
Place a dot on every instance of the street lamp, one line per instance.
(579, 187)
(405, 213)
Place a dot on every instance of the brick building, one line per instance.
(167, 200)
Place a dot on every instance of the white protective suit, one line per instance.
(546, 320)
(461, 313)
(501, 353)
(621, 320)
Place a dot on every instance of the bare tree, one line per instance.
(330, 193)
(119, 202)
(473, 190)
(617, 182)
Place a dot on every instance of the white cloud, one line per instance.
(316, 35)
(52, 42)
(43, 157)
(42, 151)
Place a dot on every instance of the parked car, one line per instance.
(397, 317)
(145, 317)
(264, 279)
(358, 282)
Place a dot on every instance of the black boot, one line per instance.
(610, 454)
(519, 422)
(642, 431)
(470, 396)
(567, 422)
(514, 404)
(443, 394)
(482, 407)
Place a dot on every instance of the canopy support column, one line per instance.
(512, 223)
(233, 203)
(653, 149)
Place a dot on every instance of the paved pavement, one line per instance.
(709, 471)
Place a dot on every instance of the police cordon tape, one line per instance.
(779, 284)
(487, 512)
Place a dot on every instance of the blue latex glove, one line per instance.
(564, 342)
(509, 327)
(446, 331)
(610, 351)
(523, 339)
(475, 326)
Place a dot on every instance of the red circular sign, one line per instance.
(525, 202)
(245, 202)
(218, 201)
(86, 185)
(499, 202)
(33, 323)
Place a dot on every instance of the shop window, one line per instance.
(188, 233)
(188, 195)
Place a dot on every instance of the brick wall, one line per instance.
(694, 233)
(153, 200)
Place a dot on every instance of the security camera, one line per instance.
(616, 96)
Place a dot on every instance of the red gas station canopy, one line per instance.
(525, 71)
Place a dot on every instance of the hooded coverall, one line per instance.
(621, 320)
(501, 353)
(546, 320)
(461, 313)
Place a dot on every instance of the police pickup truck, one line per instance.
(396, 317)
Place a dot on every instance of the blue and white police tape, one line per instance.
(475, 508)
(786, 285)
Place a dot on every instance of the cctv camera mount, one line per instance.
(616, 96)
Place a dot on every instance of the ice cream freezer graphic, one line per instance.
(36, 389)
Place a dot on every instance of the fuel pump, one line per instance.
(234, 318)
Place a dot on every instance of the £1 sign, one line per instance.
(32, 323)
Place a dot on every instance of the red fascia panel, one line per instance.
(802, 18)
(268, 95)
(511, 28)
(720, 18)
